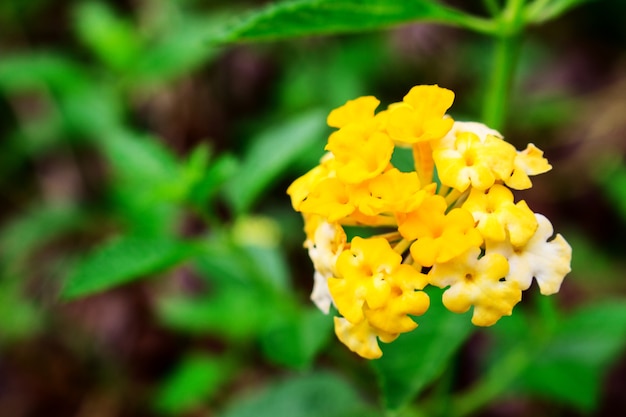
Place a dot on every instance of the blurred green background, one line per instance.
(150, 261)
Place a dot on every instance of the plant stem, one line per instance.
(492, 7)
(498, 89)
(504, 62)
(494, 383)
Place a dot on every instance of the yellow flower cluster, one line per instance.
(452, 222)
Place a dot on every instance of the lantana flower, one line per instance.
(451, 222)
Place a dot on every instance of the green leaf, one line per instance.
(236, 312)
(243, 298)
(121, 261)
(24, 234)
(571, 366)
(111, 38)
(140, 159)
(178, 49)
(541, 11)
(415, 359)
(270, 154)
(194, 381)
(612, 178)
(20, 318)
(27, 71)
(289, 19)
(313, 395)
(211, 179)
(294, 339)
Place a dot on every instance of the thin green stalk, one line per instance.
(500, 82)
(535, 9)
(492, 7)
(504, 63)
(493, 384)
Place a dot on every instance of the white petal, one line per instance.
(321, 295)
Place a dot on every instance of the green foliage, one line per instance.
(612, 177)
(542, 11)
(316, 394)
(288, 19)
(235, 313)
(20, 318)
(89, 97)
(34, 228)
(194, 381)
(415, 359)
(294, 340)
(249, 301)
(270, 154)
(570, 366)
(111, 38)
(124, 260)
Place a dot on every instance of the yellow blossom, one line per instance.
(474, 162)
(498, 217)
(405, 298)
(421, 115)
(325, 241)
(301, 187)
(358, 111)
(360, 153)
(548, 261)
(452, 222)
(392, 191)
(330, 198)
(530, 161)
(361, 338)
(479, 129)
(363, 276)
(477, 282)
(440, 236)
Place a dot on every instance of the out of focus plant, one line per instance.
(71, 105)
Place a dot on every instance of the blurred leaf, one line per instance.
(573, 362)
(322, 17)
(194, 381)
(327, 77)
(19, 318)
(402, 158)
(34, 71)
(121, 261)
(148, 182)
(91, 110)
(313, 395)
(113, 40)
(140, 159)
(242, 299)
(596, 271)
(35, 227)
(270, 264)
(235, 312)
(542, 11)
(218, 172)
(415, 359)
(140, 213)
(295, 339)
(612, 177)
(74, 103)
(227, 262)
(177, 49)
(270, 154)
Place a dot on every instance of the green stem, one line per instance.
(492, 7)
(534, 10)
(499, 87)
(504, 63)
(494, 384)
